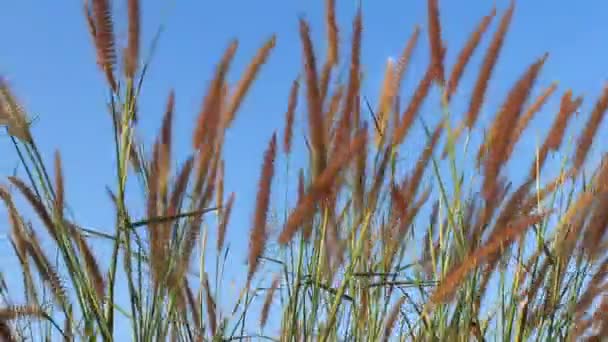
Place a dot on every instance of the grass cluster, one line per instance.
(359, 258)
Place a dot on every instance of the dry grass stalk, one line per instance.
(586, 138)
(259, 236)
(466, 53)
(435, 42)
(485, 74)
(247, 79)
(290, 115)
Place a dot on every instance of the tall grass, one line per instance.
(358, 258)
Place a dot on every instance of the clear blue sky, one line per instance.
(49, 60)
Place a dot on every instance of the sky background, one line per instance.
(49, 61)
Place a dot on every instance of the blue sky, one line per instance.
(48, 58)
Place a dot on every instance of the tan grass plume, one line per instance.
(259, 235)
(487, 67)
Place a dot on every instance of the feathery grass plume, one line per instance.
(290, 115)
(12, 312)
(38, 206)
(596, 227)
(308, 224)
(332, 110)
(425, 157)
(353, 88)
(209, 115)
(392, 318)
(555, 136)
(320, 187)
(525, 119)
(316, 124)
(47, 272)
(497, 241)
(435, 41)
(59, 188)
(585, 140)
(90, 20)
(194, 309)
(466, 53)
(359, 180)
(259, 236)
(487, 67)
(219, 186)
(15, 221)
(499, 139)
(342, 131)
(268, 300)
(408, 116)
(567, 108)
(567, 233)
(221, 231)
(13, 115)
(91, 265)
(594, 288)
(104, 39)
(164, 161)
(332, 48)
(6, 333)
(242, 87)
(387, 97)
(179, 187)
(536, 106)
(152, 208)
(132, 51)
(404, 59)
(332, 31)
(211, 306)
